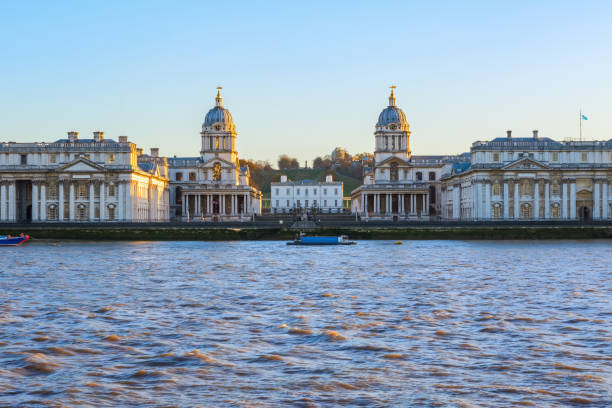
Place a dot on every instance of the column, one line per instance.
(3, 212)
(187, 213)
(488, 200)
(596, 200)
(92, 213)
(604, 200)
(208, 204)
(43, 201)
(128, 201)
(547, 199)
(400, 203)
(60, 197)
(364, 203)
(536, 200)
(564, 199)
(71, 201)
(12, 201)
(222, 204)
(35, 201)
(506, 201)
(413, 207)
(516, 199)
(424, 208)
(476, 200)
(233, 198)
(120, 202)
(102, 201)
(572, 205)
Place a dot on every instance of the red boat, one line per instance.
(7, 240)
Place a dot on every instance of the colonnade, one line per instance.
(411, 204)
(198, 204)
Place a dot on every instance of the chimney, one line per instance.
(98, 136)
(155, 152)
(328, 178)
(509, 133)
(283, 178)
(535, 134)
(123, 139)
(73, 136)
(139, 151)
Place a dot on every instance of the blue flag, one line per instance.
(584, 117)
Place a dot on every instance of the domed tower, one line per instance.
(392, 133)
(219, 133)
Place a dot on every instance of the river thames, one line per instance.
(258, 324)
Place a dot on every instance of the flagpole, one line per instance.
(581, 124)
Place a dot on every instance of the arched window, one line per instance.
(496, 189)
(525, 211)
(216, 172)
(393, 172)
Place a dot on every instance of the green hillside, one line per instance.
(263, 178)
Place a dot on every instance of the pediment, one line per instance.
(392, 159)
(81, 165)
(224, 163)
(526, 163)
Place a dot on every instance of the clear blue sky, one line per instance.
(304, 77)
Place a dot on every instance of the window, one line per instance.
(192, 176)
(217, 171)
(525, 188)
(555, 157)
(325, 191)
(324, 203)
(305, 191)
(556, 189)
(52, 158)
(405, 174)
(496, 189)
(52, 212)
(82, 213)
(86, 155)
(496, 157)
(297, 192)
(277, 203)
(335, 203)
(276, 191)
(584, 157)
(419, 176)
(556, 210)
(432, 176)
(210, 139)
(111, 213)
(24, 159)
(525, 211)
(217, 143)
(179, 176)
(298, 203)
(288, 203)
(314, 203)
(111, 190)
(497, 211)
(111, 158)
(335, 191)
(393, 172)
(288, 191)
(82, 191)
(306, 204)
(315, 191)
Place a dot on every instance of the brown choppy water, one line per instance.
(257, 324)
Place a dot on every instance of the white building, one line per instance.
(324, 196)
(399, 185)
(94, 180)
(213, 186)
(532, 178)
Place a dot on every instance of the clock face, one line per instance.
(393, 126)
(217, 127)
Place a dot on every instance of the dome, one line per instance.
(220, 115)
(392, 114)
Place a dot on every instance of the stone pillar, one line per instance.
(222, 204)
(596, 200)
(604, 200)
(424, 208)
(547, 199)
(35, 201)
(536, 199)
(400, 203)
(3, 207)
(476, 200)
(128, 201)
(572, 205)
(43, 201)
(187, 209)
(516, 200)
(414, 204)
(60, 197)
(102, 201)
(12, 201)
(487, 213)
(71, 201)
(564, 199)
(121, 202)
(506, 201)
(92, 212)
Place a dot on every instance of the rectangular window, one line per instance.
(315, 191)
(111, 158)
(288, 191)
(192, 176)
(432, 175)
(306, 204)
(555, 157)
(335, 203)
(556, 189)
(336, 191)
(298, 203)
(288, 203)
(325, 191)
(324, 203)
(82, 191)
(419, 176)
(297, 192)
(24, 159)
(52, 158)
(314, 203)
(276, 203)
(179, 176)
(111, 213)
(276, 191)
(305, 191)
(496, 157)
(86, 155)
(584, 157)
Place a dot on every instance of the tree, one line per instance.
(285, 162)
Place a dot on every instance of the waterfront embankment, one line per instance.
(245, 232)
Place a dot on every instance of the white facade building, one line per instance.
(324, 196)
(76, 180)
(213, 186)
(532, 178)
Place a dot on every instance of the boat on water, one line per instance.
(306, 240)
(7, 240)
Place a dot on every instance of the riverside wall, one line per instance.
(252, 231)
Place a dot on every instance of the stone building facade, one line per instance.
(213, 186)
(325, 196)
(82, 180)
(532, 178)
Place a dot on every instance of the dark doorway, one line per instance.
(24, 200)
(584, 213)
